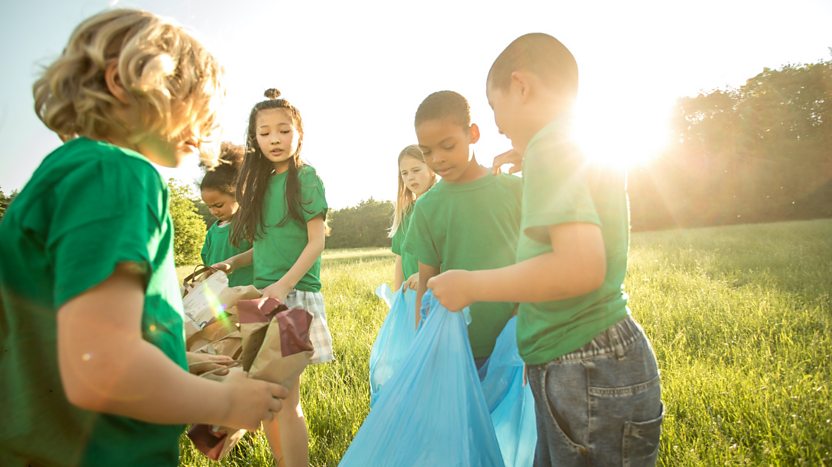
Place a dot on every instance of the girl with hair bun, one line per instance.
(282, 212)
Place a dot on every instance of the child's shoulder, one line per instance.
(430, 198)
(508, 180)
(83, 164)
(114, 160)
(308, 174)
(307, 170)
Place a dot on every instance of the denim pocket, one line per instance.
(640, 445)
(563, 424)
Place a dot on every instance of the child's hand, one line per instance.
(453, 289)
(225, 266)
(513, 157)
(412, 282)
(277, 290)
(199, 363)
(250, 401)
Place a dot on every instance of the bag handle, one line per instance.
(198, 270)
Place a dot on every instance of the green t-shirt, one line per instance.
(278, 248)
(218, 247)
(560, 187)
(89, 206)
(410, 264)
(470, 226)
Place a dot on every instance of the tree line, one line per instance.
(758, 153)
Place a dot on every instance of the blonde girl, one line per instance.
(94, 370)
(282, 212)
(218, 189)
(415, 178)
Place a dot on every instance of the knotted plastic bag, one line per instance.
(394, 338)
(510, 401)
(432, 410)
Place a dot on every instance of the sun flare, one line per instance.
(620, 136)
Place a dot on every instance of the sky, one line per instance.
(358, 70)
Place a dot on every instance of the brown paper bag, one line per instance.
(275, 347)
(284, 349)
(221, 335)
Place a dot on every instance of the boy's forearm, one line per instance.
(106, 366)
(137, 380)
(576, 265)
(542, 278)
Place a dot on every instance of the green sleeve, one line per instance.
(397, 242)
(555, 190)
(106, 213)
(313, 195)
(419, 241)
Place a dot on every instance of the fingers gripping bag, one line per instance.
(432, 410)
(394, 338)
(276, 347)
(510, 401)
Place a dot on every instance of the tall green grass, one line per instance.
(739, 317)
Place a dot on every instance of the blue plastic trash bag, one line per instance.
(510, 401)
(394, 337)
(432, 411)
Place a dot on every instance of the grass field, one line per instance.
(740, 318)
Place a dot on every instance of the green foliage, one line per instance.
(753, 154)
(361, 226)
(740, 318)
(5, 201)
(188, 227)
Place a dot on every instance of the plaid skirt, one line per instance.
(318, 330)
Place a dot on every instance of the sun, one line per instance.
(623, 135)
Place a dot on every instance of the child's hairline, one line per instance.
(449, 116)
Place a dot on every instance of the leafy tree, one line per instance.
(756, 153)
(188, 226)
(5, 200)
(364, 225)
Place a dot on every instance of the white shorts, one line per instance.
(319, 334)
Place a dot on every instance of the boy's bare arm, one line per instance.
(106, 366)
(576, 266)
(425, 273)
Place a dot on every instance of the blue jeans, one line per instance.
(601, 404)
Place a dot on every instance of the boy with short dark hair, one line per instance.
(468, 220)
(592, 370)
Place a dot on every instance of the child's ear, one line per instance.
(520, 84)
(474, 133)
(114, 82)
